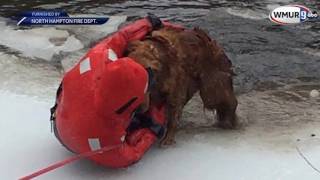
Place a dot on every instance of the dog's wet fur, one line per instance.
(184, 62)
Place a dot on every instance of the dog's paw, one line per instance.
(167, 141)
(226, 125)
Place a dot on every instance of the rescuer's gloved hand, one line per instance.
(155, 21)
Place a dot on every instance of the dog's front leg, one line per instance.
(174, 114)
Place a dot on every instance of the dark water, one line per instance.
(264, 55)
(176, 10)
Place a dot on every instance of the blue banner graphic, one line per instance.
(57, 17)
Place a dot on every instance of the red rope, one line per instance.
(67, 161)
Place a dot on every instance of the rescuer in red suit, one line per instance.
(102, 101)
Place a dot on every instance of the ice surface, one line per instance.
(45, 42)
(27, 145)
(36, 42)
(23, 75)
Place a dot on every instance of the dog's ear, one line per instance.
(132, 47)
(142, 52)
(159, 38)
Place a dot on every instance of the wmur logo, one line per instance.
(291, 14)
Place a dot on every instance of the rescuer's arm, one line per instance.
(140, 28)
(135, 31)
(137, 143)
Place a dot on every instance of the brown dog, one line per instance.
(185, 61)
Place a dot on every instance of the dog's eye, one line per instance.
(126, 105)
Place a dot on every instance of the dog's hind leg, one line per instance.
(216, 92)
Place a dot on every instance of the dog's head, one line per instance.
(145, 53)
(217, 91)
